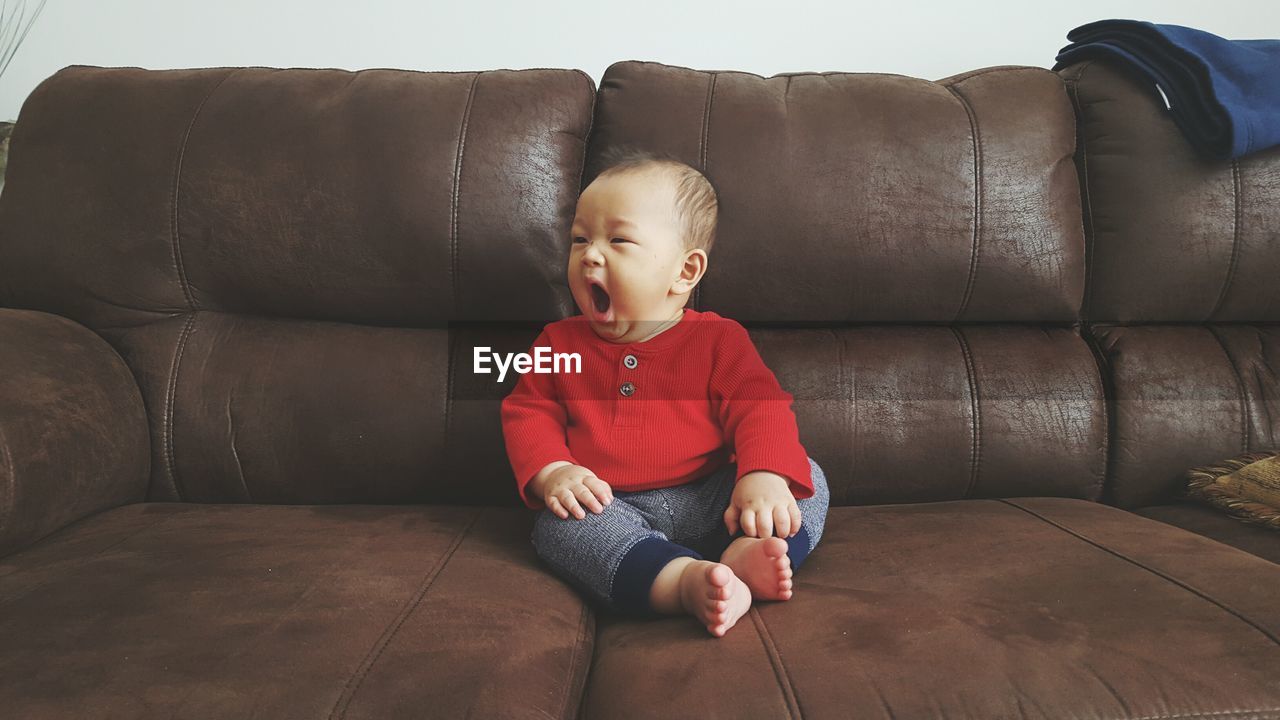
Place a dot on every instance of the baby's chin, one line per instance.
(612, 330)
(616, 329)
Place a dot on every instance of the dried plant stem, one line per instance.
(10, 39)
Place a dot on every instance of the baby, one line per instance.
(674, 436)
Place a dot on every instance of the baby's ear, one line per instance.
(695, 265)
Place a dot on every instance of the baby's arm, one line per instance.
(533, 427)
(755, 414)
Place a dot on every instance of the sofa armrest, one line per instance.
(73, 427)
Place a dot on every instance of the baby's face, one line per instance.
(627, 255)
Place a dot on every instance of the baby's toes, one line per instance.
(718, 582)
(717, 612)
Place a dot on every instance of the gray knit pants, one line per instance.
(613, 556)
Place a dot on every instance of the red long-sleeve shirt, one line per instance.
(700, 397)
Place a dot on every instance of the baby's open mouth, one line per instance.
(600, 298)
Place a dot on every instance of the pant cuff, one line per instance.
(638, 569)
(798, 547)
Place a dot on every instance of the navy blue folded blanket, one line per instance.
(1224, 94)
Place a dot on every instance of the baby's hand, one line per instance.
(762, 503)
(568, 484)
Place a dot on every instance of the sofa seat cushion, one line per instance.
(306, 611)
(1028, 607)
(1211, 522)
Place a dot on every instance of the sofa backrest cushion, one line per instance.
(279, 255)
(1173, 237)
(1182, 298)
(861, 197)
(908, 257)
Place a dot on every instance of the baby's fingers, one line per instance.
(570, 503)
(782, 521)
(764, 521)
(583, 493)
(600, 488)
(795, 519)
(731, 520)
(554, 505)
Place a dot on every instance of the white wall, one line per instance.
(923, 38)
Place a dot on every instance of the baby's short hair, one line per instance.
(697, 208)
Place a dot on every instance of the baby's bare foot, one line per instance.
(763, 565)
(712, 593)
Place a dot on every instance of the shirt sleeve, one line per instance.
(533, 426)
(755, 413)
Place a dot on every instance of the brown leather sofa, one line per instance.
(247, 469)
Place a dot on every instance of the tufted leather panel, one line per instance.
(1173, 237)
(866, 196)
(1186, 395)
(369, 414)
(266, 410)
(380, 197)
(859, 197)
(899, 414)
(1181, 299)
(279, 255)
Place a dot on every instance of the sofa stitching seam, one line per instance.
(1240, 391)
(1257, 376)
(1235, 242)
(703, 153)
(587, 139)
(779, 667)
(1275, 640)
(170, 453)
(11, 487)
(573, 656)
(848, 418)
(1091, 240)
(450, 372)
(1108, 400)
(175, 245)
(987, 71)
(706, 122)
(1206, 714)
(974, 256)
(352, 686)
(235, 454)
(457, 182)
(975, 399)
